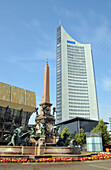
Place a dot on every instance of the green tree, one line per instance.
(80, 139)
(103, 129)
(65, 130)
(77, 139)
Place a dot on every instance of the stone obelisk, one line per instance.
(45, 121)
(46, 95)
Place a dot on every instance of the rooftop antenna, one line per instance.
(59, 22)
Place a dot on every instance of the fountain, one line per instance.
(41, 139)
(45, 125)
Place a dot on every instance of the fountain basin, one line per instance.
(37, 150)
(61, 150)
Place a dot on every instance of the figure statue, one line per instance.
(36, 112)
(54, 110)
(72, 143)
(33, 132)
(56, 131)
(64, 141)
(60, 142)
(43, 109)
(20, 137)
(12, 142)
(43, 128)
(38, 128)
(43, 131)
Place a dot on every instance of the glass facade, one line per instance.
(94, 142)
(75, 125)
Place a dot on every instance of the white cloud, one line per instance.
(36, 23)
(106, 84)
(34, 62)
(31, 24)
(43, 54)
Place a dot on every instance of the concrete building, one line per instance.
(16, 107)
(75, 85)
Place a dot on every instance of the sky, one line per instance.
(28, 37)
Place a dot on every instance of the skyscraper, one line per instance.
(75, 84)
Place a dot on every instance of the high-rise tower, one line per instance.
(75, 85)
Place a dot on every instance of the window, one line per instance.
(78, 96)
(77, 87)
(77, 83)
(72, 99)
(78, 93)
(77, 80)
(79, 103)
(74, 77)
(81, 90)
(79, 110)
(78, 106)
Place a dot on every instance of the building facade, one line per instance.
(74, 125)
(75, 84)
(16, 107)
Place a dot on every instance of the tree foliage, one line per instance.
(103, 129)
(80, 139)
(65, 130)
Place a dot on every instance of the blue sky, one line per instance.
(28, 37)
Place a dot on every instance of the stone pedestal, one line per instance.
(41, 141)
(45, 126)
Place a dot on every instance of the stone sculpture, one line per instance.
(33, 132)
(56, 131)
(36, 110)
(54, 110)
(20, 137)
(64, 141)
